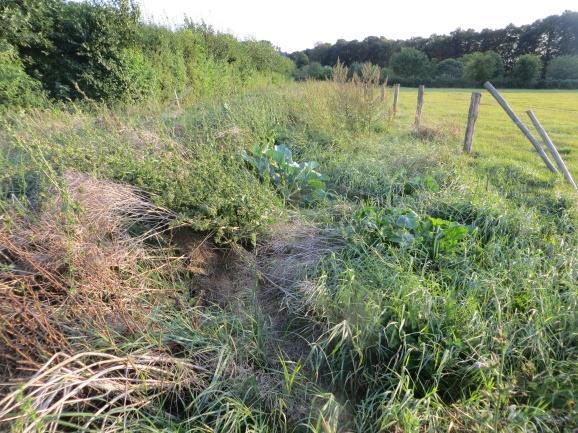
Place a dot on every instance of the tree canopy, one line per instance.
(541, 54)
(547, 38)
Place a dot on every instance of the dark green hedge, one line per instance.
(102, 51)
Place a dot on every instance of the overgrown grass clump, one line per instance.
(279, 261)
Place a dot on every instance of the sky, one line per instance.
(298, 24)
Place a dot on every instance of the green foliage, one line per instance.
(100, 50)
(449, 68)
(300, 59)
(550, 37)
(264, 58)
(16, 87)
(410, 62)
(480, 67)
(295, 181)
(563, 68)
(527, 70)
(314, 71)
(405, 228)
(449, 305)
(386, 73)
(85, 49)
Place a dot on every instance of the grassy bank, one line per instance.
(171, 270)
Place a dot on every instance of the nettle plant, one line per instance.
(295, 181)
(403, 227)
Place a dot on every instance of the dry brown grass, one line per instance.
(97, 383)
(438, 133)
(287, 258)
(358, 102)
(293, 249)
(75, 263)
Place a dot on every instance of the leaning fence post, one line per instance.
(420, 93)
(472, 117)
(490, 88)
(395, 98)
(552, 148)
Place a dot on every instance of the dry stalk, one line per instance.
(98, 382)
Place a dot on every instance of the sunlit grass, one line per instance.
(452, 308)
(496, 136)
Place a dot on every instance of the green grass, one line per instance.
(496, 136)
(426, 291)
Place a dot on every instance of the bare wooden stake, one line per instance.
(385, 93)
(420, 94)
(177, 99)
(472, 117)
(548, 141)
(384, 90)
(395, 98)
(490, 88)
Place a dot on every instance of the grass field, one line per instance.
(169, 270)
(497, 138)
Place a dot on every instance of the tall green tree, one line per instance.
(563, 68)
(449, 68)
(527, 70)
(480, 67)
(410, 63)
(550, 37)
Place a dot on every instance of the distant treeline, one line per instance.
(101, 50)
(541, 54)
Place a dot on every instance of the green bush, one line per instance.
(314, 71)
(405, 228)
(410, 63)
(557, 84)
(449, 69)
(16, 87)
(563, 68)
(480, 67)
(101, 51)
(527, 70)
(294, 180)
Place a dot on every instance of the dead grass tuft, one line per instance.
(107, 387)
(438, 133)
(292, 249)
(286, 261)
(82, 260)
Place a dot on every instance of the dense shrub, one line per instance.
(449, 69)
(563, 68)
(16, 87)
(411, 63)
(557, 84)
(527, 70)
(100, 50)
(314, 71)
(480, 67)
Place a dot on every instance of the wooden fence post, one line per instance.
(384, 90)
(472, 117)
(395, 98)
(550, 144)
(420, 94)
(177, 99)
(490, 88)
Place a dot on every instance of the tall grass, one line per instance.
(415, 296)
